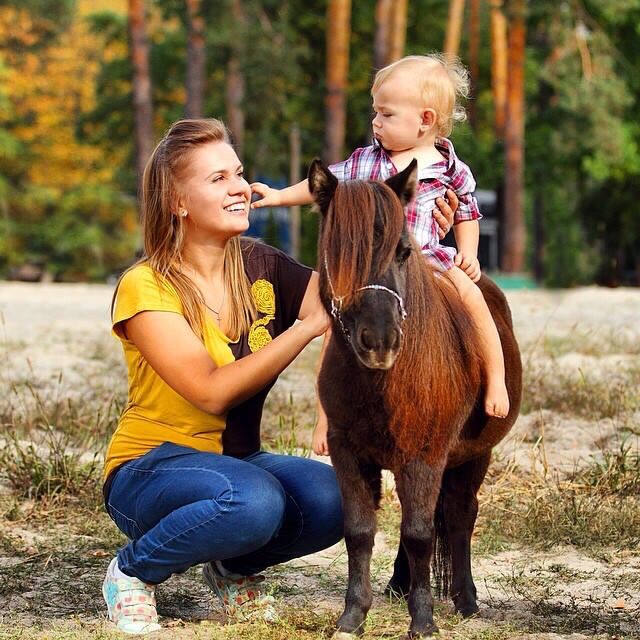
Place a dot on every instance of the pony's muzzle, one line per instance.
(377, 349)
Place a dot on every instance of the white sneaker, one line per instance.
(241, 596)
(130, 602)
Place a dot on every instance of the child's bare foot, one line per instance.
(496, 400)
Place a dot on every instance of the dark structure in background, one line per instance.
(489, 249)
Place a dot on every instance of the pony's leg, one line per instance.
(418, 485)
(360, 487)
(400, 581)
(458, 508)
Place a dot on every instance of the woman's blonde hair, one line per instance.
(442, 82)
(163, 228)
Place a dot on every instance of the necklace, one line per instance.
(219, 311)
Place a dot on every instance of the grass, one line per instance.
(581, 393)
(590, 342)
(48, 437)
(288, 422)
(50, 469)
(595, 506)
(286, 438)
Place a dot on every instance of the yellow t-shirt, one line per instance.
(155, 413)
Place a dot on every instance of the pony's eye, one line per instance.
(403, 253)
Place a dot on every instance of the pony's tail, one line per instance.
(441, 554)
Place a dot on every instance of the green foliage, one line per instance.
(582, 109)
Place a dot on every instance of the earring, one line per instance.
(183, 213)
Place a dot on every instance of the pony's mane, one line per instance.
(347, 238)
(439, 336)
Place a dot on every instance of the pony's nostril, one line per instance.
(369, 340)
(395, 342)
(366, 339)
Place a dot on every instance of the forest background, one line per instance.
(88, 86)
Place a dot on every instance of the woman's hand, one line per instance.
(318, 321)
(444, 212)
(312, 313)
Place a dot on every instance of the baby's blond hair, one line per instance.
(441, 80)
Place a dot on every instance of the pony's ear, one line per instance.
(404, 183)
(322, 184)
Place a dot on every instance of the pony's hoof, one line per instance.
(468, 610)
(427, 633)
(343, 635)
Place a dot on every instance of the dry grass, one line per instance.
(581, 393)
(595, 506)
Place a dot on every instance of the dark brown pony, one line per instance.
(402, 387)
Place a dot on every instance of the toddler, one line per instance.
(415, 102)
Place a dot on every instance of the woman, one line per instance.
(207, 324)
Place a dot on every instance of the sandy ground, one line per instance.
(47, 329)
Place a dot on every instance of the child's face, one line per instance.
(399, 122)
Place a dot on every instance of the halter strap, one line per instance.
(336, 301)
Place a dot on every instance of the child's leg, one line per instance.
(496, 401)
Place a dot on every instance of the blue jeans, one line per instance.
(180, 507)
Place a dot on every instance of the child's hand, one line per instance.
(319, 439)
(270, 197)
(469, 264)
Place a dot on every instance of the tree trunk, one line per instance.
(538, 231)
(514, 230)
(474, 53)
(338, 34)
(454, 28)
(383, 34)
(235, 82)
(295, 153)
(142, 104)
(196, 59)
(498, 66)
(398, 35)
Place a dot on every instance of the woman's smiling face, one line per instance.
(216, 194)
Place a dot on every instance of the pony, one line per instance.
(402, 387)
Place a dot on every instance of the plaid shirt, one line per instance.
(373, 163)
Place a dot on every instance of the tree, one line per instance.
(474, 52)
(338, 31)
(235, 81)
(382, 34)
(398, 32)
(142, 104)
(454, 28)
(196, 60)
(498, 65)
(514, 229)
